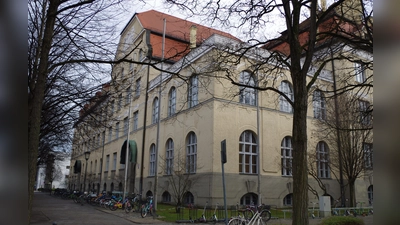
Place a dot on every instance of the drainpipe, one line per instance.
(339, 142)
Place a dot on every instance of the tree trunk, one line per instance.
(352, 200)
(300, 171)
(35, 100)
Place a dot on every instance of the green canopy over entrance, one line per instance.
(132, 152)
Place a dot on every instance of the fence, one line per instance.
(193, 213)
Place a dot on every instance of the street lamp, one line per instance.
(87, 155)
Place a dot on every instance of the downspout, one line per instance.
(159, 118)
(339, 142)
(149, 53)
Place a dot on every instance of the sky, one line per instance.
(141, 6)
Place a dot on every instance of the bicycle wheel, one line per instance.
(137, 206)
(265, 215)
(248, 214)
(75, 198)
(114, 206)
(128, 207)
(236, 221)
(143, 212)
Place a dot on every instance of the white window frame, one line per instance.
(287, 156)
(284, 104)
(110, 133)
(137, 87)
(359, 69)
(152, 160)
(319, 105)
(107, 163)
(368, 156)
(247, 95)
(169, 157)
(191, 153)
(323, 160)
(154, 118)
(193, 91)
(248, 156)
(172, 101)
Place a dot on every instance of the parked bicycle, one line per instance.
(133, 203)
(147, 208)
(255, 219)
(262, 209)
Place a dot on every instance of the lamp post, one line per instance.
(87, 155)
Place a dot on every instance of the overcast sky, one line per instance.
(140, 6)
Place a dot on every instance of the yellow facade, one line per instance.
(218, 116)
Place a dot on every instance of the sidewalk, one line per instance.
(48, 210)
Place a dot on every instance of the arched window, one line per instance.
(247, 94)
(105, 187)
(248, 153)
(288, 200)
(371, 195)
(249, 199)
(191, 153)
(152, 160)
(112, 187)
(319, 105)
(323, 160)
(284, 104)
(155, 110)
(188, 198)
(287, 156)
(120, 187)
(149, 193)
(172, 101)
(169, 156)
(193, 91)
(166, 197)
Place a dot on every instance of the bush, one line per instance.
(342, 220)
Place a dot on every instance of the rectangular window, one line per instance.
(110, 134)
(107, 162)
(119, 101)
(135, 120)
(137, 88)
(95, 167)
(126, 126)
(112, 107)
(368, 156)
(114, 165)
(117, 130)
(128, 93)
(360, 72)
(193, 92)
(122, 73)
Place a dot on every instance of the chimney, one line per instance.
(193, 35)
(323, 5)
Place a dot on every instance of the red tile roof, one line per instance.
(177, 33)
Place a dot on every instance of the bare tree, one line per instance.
(304, 49)
(349, 127)
(60, 32)
(178, 179)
